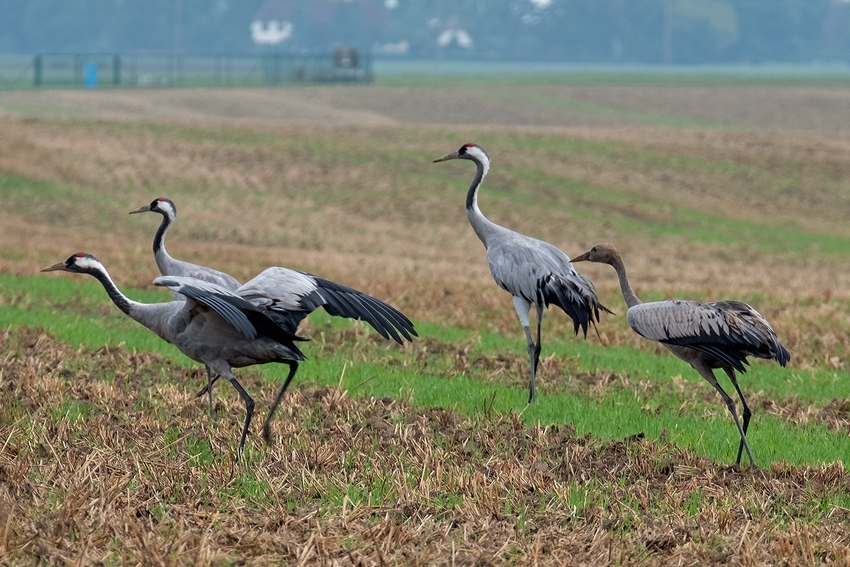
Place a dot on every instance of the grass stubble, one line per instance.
(107, 458)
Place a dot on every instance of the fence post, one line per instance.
(36, 75)
(116, 70)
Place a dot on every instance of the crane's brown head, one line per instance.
(472, 152)
(79, 263)
(601, 253)
(162, 206)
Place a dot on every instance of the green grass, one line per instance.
(77, 312)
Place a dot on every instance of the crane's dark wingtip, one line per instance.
(783, 357)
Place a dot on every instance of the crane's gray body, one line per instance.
(203, 334)
(534, 272)
(725, 331)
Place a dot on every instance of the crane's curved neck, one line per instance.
(480, 224)
(629, 295)
(160, 255)
(122, 301)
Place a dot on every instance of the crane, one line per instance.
(290, 294)
(216, 327)
(532, 271)
(721, 334)
(169, 266)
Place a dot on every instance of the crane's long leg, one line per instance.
(210, 381)
(293, 366)
(208, 387)
(706, 373)
(523, 308)
(532, 390)
(249, 405)
(536, 362)
(746, 414)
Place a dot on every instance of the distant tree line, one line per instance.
(594, 31)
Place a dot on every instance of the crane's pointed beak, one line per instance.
(582, 258)
(453, 155)
(143, 209)
(55, 267)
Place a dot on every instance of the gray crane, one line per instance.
(169, 266)
(290, 294)
(216, 327)
(721, 334)
(532, 271)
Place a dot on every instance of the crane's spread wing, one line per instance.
(344, 301)
(728, 330)
(541, 274)
(231, 307)
(293, 295)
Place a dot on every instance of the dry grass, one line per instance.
(361, 481)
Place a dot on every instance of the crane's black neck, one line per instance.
(482, 226)
(115, 295)
(159, 237)
(472, 194)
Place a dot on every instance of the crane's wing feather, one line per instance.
(292, 295)
(344, 301)
(541, 274)
(230, 306)
(727, 330)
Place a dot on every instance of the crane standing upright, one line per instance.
(721, 334)
(532, 271)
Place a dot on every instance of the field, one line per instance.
(426, 453)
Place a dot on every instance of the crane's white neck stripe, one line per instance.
(166, 207)
(480, 156)
(89, 263)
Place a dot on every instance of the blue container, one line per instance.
(91, 75)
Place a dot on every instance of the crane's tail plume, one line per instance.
(576, 296)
